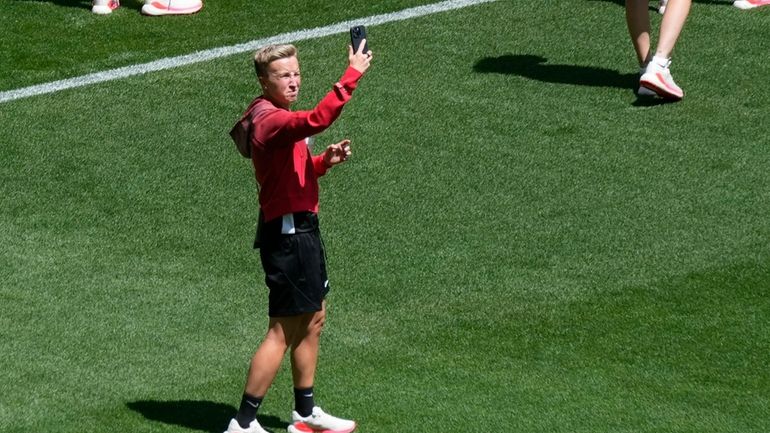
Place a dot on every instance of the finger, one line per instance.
(361, 47)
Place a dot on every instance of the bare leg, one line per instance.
(282, 331)
(671, 27)
(304, 349)
(638, 21)
(304, 358)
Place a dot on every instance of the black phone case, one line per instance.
(357, 33)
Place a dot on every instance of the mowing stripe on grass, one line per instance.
(215, 53)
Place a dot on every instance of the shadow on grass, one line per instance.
(206, 416)
(650, 101)
(535, 68)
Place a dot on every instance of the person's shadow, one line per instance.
(538, 68)
(205, 416)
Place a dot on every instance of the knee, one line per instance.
(274, 342)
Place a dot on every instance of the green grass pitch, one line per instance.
(516, 245)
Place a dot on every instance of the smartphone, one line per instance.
(357, 33)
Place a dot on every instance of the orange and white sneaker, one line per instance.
(750, 4)
(657, 77)
(171, 7)
(104, 7)
(319, 422)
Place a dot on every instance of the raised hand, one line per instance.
(337, 153)
(359, 60)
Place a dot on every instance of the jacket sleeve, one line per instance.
(287, 127)
(319, 165)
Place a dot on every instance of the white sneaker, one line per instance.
(320, 422)
(662, 6)
(254, 427)
(171, 7)
(750, 4)
(104, 7)
(657, 77)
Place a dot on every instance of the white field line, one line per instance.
(215, 53)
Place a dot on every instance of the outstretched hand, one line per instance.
(337, 153)
(359, 60)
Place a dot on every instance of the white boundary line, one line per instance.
(215, 53)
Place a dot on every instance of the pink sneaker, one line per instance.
(657, 77)
(104, 7)
(171, 7)
(750, 4)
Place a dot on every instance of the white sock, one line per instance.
(663, 62)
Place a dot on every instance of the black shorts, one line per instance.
(295, 266)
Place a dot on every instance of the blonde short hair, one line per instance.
(271, 53)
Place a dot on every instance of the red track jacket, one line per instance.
(286, 171)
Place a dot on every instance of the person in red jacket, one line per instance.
(288, 235)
